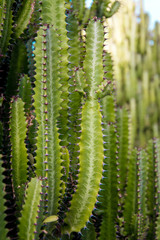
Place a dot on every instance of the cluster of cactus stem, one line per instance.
(69, 168)
(135, 52)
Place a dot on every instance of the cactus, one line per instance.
(69, 167)
(23, 17)
(18, 149)
(3, 230)
(136, 59)
(6, 25)
(108, 199)
(91, 140)
(27, 221)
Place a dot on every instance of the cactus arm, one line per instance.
(91, 160)
(157, 182)
(81, 9)
(63, 74)
(18, 149)
(35, 18)
(106, 86)
(131, 192)
(108, 199)
(3, 230)
(73, 42)
(109, 196)
(143, 180)
(7, 27)
(133, 121)
(53, 97)
(40, 102)
(123, 132)
(76, 93)
(114, 8)
(24, 16)
(53, 13)
(142, 189)
(18, 65)
(75, 97)
(89, 177)
(151, 190)
(47, 106)
(157, 169)
(28, 220)
(49, 12)
(93, 66)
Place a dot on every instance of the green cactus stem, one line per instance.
(91, 159)
(24, 16)
(3, 229)
(18, 129)
(29, 213)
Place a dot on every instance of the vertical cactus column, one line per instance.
(47, 106)
(108, 199)
(18, 149)
(53, 13)
(91, 140)
(3, 230)
(29, 213)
